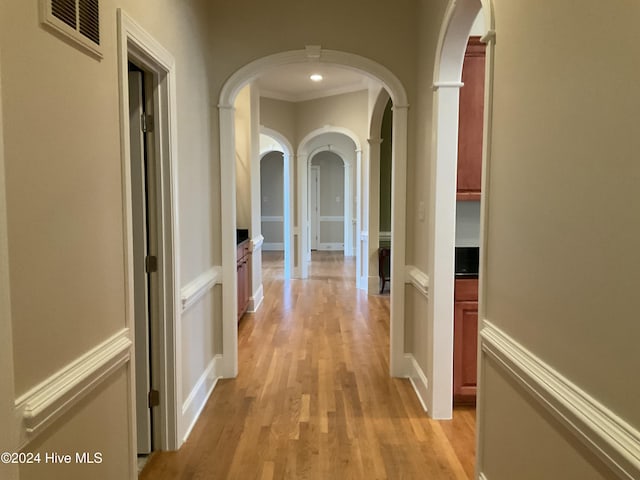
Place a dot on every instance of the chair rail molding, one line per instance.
(418, 279)
(47, 401)
(199, 286)
(611, 438)
(256, 243)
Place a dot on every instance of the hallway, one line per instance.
(313, 398)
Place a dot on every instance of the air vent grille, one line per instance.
(89, 13)
(65, 10)
(77, 19)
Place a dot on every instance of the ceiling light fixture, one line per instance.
(316, 77)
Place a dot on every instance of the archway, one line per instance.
(305, 152)
(228, 94)
(452, 42)
(287, 151)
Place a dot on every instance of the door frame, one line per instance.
(136, 45)
(398, 365)
(447, 80)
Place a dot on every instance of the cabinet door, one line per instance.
(471, 122)
(465, 351)
(241, 288)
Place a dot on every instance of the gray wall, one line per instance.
(272, 197)
(331, 196)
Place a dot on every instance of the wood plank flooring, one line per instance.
(313, 398)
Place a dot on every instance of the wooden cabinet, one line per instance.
(465, 341)
(244, 277)
(471, 122)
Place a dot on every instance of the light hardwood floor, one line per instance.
(313, 398)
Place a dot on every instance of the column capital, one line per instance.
(375, 141)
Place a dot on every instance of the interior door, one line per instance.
(314, 207)
(140, 232)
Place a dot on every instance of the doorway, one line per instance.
(148, 132)
(144, 229)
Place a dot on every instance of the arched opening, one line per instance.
(229, 92)
(272, 141)
(347, 146)
(450, 54)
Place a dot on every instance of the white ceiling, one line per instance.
(292, 83)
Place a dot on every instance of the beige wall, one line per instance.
(331, 189)
(60, 108)
(243, 158)
(562, 220)
(272, 196)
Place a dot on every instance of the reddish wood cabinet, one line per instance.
(244, 277)
(471, 122)
(465, 341)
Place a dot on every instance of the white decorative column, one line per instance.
(398, 366)
(373, 282)
(348, 240)
(362, 254)
(442, 220)
(303, 218)
(257, 292)
(228, 224)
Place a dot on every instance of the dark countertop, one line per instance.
(242, 234)
(467, 262)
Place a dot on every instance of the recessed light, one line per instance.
(316, 77)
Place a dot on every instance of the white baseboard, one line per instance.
(272, 247)
(615, 441)
(199, 286)
(256, 300)
(330, 246)
(46, 402)
(418, 380)
(197, 399)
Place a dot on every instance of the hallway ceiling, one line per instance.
(292, 83)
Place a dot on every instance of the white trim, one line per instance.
(271, 219)
(347, 162)
(615, 441)
(199, 286)
(437, 85)
(331, 218)
(384, 236)
(200, 393)
(9, 438)
(256, 243)
(364, 235)
(418, 279)
(418, 380)
(482, 476)
(135, 43)
(329, 246)
(272, 247)
(447, 80)
(397, 92)
(46, 402)
(256, 300)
